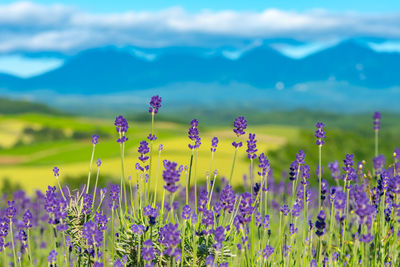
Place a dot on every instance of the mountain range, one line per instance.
(110, 70)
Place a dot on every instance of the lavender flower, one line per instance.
(27, 219)
(377, 120)
(171, 176)
(143, 151)
(285, 210)
(263, 165)
(227, 198)
(214, 144)
(148, 252)
(56, 172)
(95, 139)
(320, 134)
(320, 224)
(151, 137)
(267, 252)
(155, 104)
(87, 203)
(114, 196)
(240, 125)
(11, 210)
(186, 210)
(52, 258)
(334, 168)
(193, 134)
(219, 236)
(170, 238)
(121, 124)
(251, 146)
(98, 162)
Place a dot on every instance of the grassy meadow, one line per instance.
(28, 163)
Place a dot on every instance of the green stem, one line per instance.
(319, 175)
(195, 180)
(376, 142)
(158, 174)
(233, 166)
(95, 185)
(90, 169)
(190, 175)
(12, 242)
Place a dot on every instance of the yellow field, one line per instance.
(38, 176)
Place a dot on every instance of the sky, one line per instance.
(35, 36)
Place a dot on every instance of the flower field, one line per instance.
(192, 207)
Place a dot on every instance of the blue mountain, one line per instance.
(107, 70)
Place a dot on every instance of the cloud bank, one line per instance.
(26, 26)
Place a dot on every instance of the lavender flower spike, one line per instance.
(155, 104)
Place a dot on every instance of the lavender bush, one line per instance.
(272, 222)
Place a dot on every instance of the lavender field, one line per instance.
(344, 213)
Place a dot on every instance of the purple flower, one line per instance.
(209, 260)
(263, 165)
(148, 252)
(186, 210)
(121, 124)
(292, 229)
(285, 210)
(171, 175)
(87, 203)
(214, 144)
(11, 210)
(377, 120)
(27, 219)
(334, 168)
(267, 252)
(300, 157)
(95, 139)
(160, 147)
(56, 171)
(379, 162)
(151, 137)
(193, 134)
(313, 263)
(101, 220)
(52, 258)
(237, 144)
(114, 196)
(219, 236)
(122, 139)
(245, 211)
(251, 146)
(320, 224)
(98, 162)
(240, 125)
(324, 189)
(143, 150)
(320, 134)
(155, 104)
(208, 218)
(55, 206)
(169, 237)
(366, 238)
(137, 229)
(227, 198)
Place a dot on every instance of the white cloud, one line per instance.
(27, 67)
(26, 26)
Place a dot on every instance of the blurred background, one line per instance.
(68, 68)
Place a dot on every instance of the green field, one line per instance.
(29, 163)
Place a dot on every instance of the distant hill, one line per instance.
(8, 106)
(109, 70)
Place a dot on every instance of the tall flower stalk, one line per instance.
(240, 124)
(320, 135)
(122, 126)
(377, 125)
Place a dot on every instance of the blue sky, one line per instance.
(46, 28)
(242, 5)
